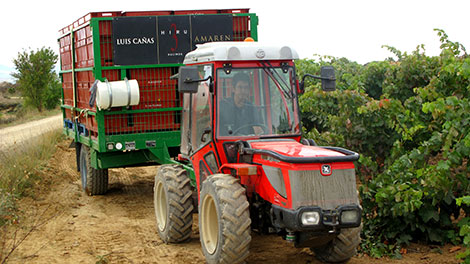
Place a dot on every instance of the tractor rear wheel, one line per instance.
(173, 203)
(341, 248)
(94, 181)
(224, 220)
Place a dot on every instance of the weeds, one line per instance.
(21, 114)
(21, 168)
(102, 259)
(14, 234)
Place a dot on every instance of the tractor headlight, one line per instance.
(310, 218)
(350, 216)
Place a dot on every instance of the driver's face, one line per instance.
(241, 93)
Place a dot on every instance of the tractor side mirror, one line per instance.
(328, 79)
(188, 78)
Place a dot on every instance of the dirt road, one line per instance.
(119, 227)
(16, 135)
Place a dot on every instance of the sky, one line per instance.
(340, 28)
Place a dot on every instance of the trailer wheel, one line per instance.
(94, 181)
(173, 203)
(224, 220)
(341, 248)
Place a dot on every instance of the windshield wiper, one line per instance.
(287, 92)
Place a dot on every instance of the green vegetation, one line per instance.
(7, 88)
(21, 170)
(21, 114)
(10, 103)
(36, 78)
(464, 231)
(13, 110)
(409, 118)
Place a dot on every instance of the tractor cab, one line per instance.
(241, 127)
(234, 92)
(237, 91)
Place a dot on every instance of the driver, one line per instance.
(237, 115)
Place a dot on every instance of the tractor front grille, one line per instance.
(310, 188)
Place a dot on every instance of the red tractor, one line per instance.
(244, 164)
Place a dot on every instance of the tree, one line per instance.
(35, 75)
(53, 93)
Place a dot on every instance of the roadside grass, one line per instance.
(21, 170)
(21, 114)
(14, 112)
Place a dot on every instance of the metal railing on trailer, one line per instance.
(149, 131)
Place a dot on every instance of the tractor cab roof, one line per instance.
(239, 51)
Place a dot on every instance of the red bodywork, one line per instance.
(260, 184)
(251, 172)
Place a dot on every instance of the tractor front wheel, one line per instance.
(173, 203)
(341, 248)
(94, 181)
(224, 220)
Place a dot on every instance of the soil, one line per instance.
(119, 227)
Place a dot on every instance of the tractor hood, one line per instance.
(293, 152)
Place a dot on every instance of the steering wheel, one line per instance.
(263, 126)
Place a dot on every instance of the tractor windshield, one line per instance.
(257, 102)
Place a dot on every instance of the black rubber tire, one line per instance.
(224, 220)
(173, 203)
(94, 181)
(341, 248)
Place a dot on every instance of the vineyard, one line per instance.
(409, 117)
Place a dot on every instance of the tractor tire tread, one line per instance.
(237, 228)
(180, 204)
(97, 179)
(341, 248)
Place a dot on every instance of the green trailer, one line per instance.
(119, 103)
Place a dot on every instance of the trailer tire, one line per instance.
(341, 248)
(224, 220)
(94, 181)
(173, 203)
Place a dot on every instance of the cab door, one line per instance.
(197, 132)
